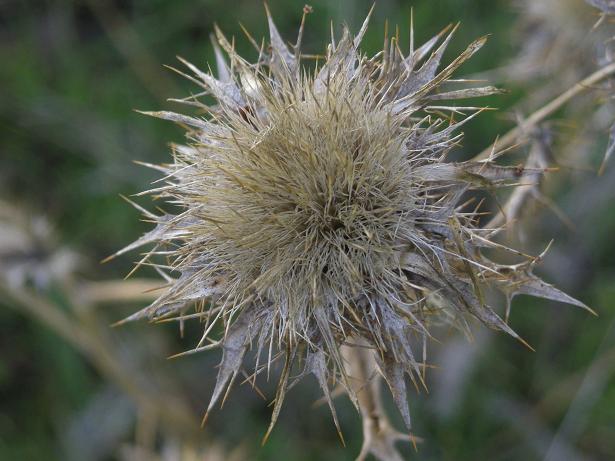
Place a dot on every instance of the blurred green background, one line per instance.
(71, 74)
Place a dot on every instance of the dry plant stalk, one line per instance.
(379, 435)
(316, 210)
(560, 42)
(31, 262)
(555, 38)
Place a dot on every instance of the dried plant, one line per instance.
(553, 35)
(29, 251)
(606, 6)
(315, 208)
(172, 450)
(560, 41)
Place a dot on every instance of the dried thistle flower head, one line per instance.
(316, 208)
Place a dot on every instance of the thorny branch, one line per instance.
(541, 114)
(529, 187)
(379, 436)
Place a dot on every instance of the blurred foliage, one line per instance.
(73, 71)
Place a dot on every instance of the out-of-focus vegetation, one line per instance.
(72, 388)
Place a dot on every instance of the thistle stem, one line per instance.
(379, 436)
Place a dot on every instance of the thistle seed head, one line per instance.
(314, 207)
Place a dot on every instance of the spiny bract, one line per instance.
(315, 208)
